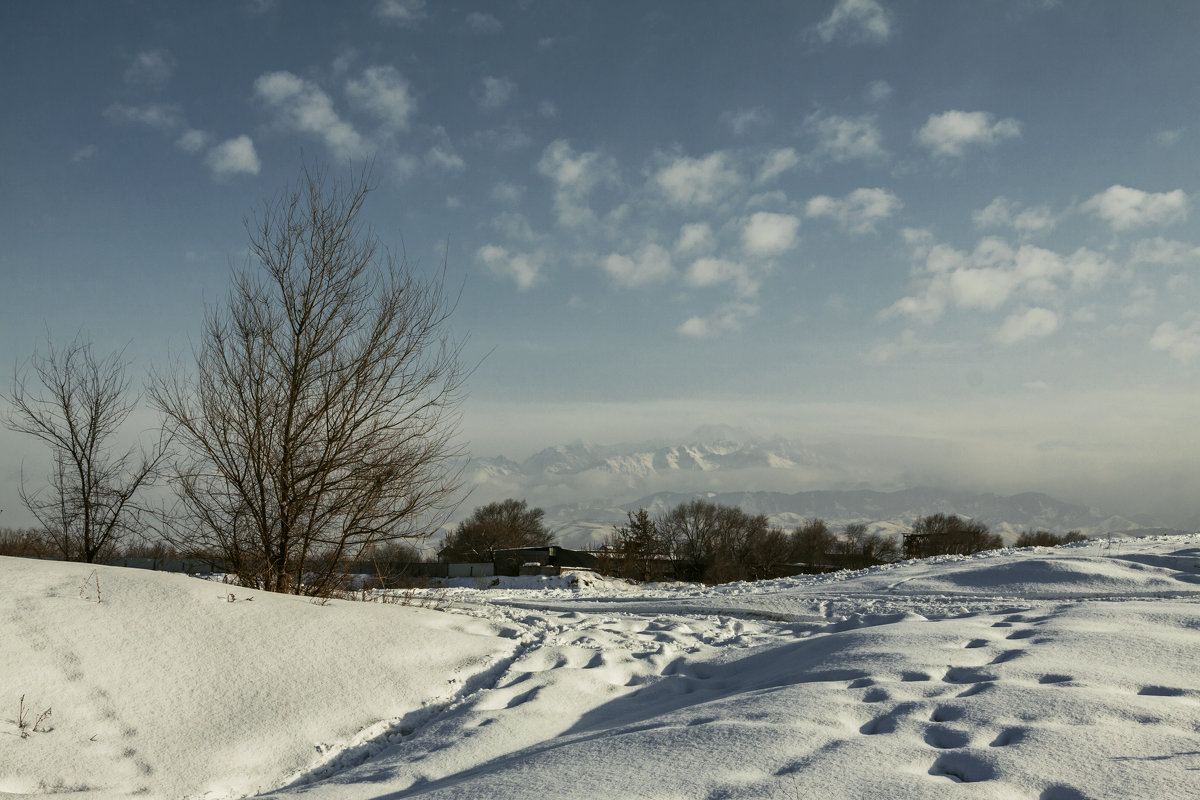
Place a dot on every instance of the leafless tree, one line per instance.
(321, 415)
(77, 404)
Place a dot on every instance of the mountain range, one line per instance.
(586, 488)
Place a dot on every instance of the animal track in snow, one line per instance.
(1009, 736)
(963, 768)
(946, 738)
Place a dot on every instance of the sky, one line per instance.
(962, 232)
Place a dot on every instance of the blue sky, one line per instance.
(961, 233)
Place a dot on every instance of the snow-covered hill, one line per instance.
(1040, 674)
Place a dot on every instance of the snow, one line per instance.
(1042, 673)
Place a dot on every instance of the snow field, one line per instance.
(1038, 674)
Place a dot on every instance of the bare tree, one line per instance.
(78, 411)
(321, 415)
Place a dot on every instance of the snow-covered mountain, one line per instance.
(587, 488)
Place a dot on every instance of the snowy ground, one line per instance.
(1049, 674)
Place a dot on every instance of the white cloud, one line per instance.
(479, 22)
(405, 13)
(766, 234)
(192, 141)
(846, 138)
(1167, 138)
(726, 319)
(1036, 323)
(547, 110)
(1164, 251)
(878, 91)
(522, 268)
(891, 349)
(743, 120)
(150, 69)
(84, 153)
(991, 275)
(1004, 213)
(154, 115)
(778, 162)
(697, 181)
(442, 154)
(384, 92)
(303, 106)
(694, 237)
(985, 289)
(574, 176)
(947, 135)
(856, 21)
(496, 91)
(233, 157)
(1123, 208)
(707, 272)
(505, 192)
(651, 264)
(1182, 344)
(857, 212)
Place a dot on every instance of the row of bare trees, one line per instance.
(315, 420)
(703, 541)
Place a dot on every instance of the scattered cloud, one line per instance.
(1168, 138)
(442, 155)
(991, 275)
(778, 162)
(651, 264)
(1164, 251)
(508, 193)
(856, 21)
(857, 212)
(405, 13)
(1004, 213)
(767, 235)
(154, 115)
(949, 134)
(496, 91)
(694, 237)
(1036, 323)
(743, 120)
(878, 91)
(480, 22)
(232, 157)
(697, 181)
(522, 268)
(574, 176)
(547, 110)
(192, 140)
(303, 106)
(846, 138)
(383, 92)
(84, 153)
(1124, 208)
(728, 318)
(1182, 344)
(708, 272)
(150, 69)
(891, 349)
